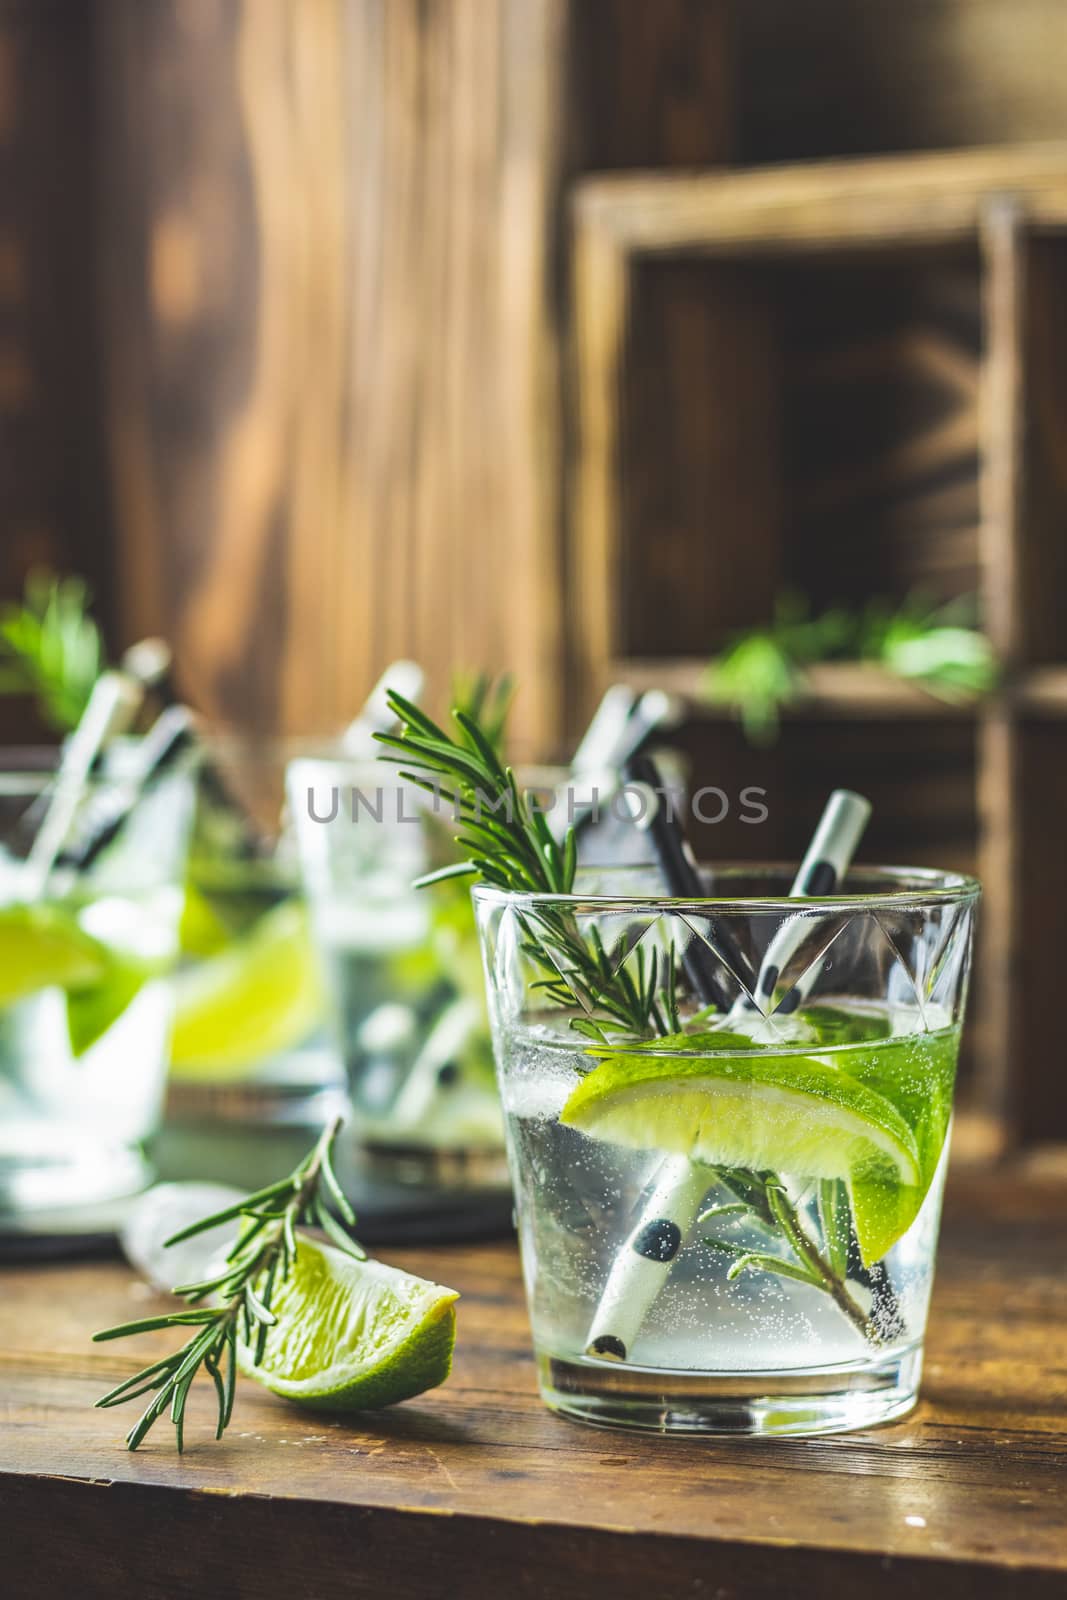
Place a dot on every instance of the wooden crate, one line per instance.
(889, 413)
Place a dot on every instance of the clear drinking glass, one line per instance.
(253, 1075)
(728, 1208)
(404, 976)
(85, 999)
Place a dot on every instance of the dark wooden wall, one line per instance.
(283, 287)
(282, 295)
(855, 77)
(290, 352)
(53, 491)
(328, 372)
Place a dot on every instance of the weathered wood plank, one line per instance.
(1038, 1091)
(334, 251)
(331, 367)
(1041, 579)
(924, 198)
(845, 689)
(881, 368)
(443, 1495)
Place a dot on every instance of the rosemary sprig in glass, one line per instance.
(238, 1297)
(487, 701)
(511, 847)
(762, 1199)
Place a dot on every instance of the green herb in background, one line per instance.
(51, 648)
(936, 646)
(940, 647)
(763, 670)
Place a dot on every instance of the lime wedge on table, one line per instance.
(255, 999)
(42, 946)
(354, 1335)
(874, 1116)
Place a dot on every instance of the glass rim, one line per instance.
(29, 784)
(378, 764)
(920, 888)
(14, 785)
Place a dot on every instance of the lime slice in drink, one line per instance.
(258, 998)
(201, 931)
(354, 1335)
(91, 1011)
(915, 1074)
(42, 946)
(763, 1113)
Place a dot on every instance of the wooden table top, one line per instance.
(477, 1490)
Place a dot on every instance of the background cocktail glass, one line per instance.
(406, 993)
(85, 1002)
(798, 1151)
(253, 1073)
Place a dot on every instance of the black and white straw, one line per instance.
(171, 738)
(113, 704)
(645, 1260)
(827, 859)
(673, 1203)
(623, 724)
(674, 1200)
(377, 716)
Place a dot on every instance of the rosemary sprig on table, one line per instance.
(511, 847)
(238, 1297)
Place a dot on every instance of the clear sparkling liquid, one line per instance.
(579, 1199)
(412, 1030)
(70, 1125)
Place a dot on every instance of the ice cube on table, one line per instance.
(165, 1210)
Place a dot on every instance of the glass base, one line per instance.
(761, 1404)
(68, 1192)
(418, 1195)
(245, 1133)
(472, 1170)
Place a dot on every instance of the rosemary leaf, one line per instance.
(753, 1261)
(249, 1205)
(212, 1366)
